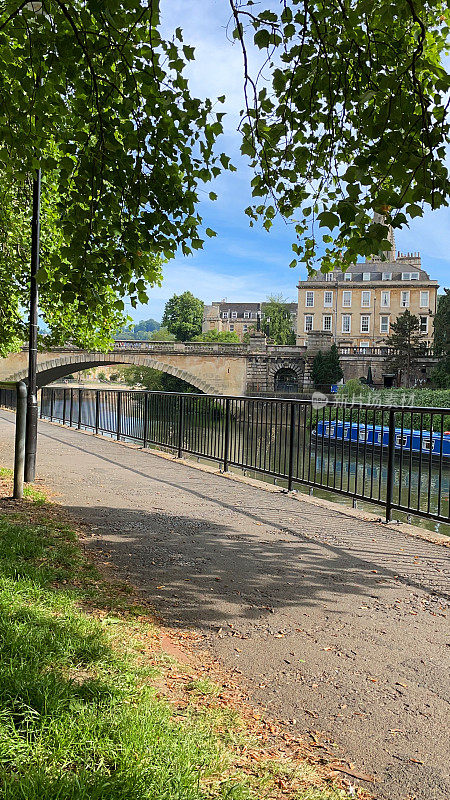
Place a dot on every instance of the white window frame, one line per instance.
(422, 318)
(309, 296)
(224, 314)
(404, 298)
(234, 315)
(414, 276)
(307, 318)
(424, 293)
(384, 317)
(231, 327)
(387, 295)
(344, 318)
(330, 318)
(347, 276)
(246, 314)
(366, 294)
(349, 297)
(386, 276)
(364, 343)
(365, 317)
(327, 303)
(366, 276)
(244, 328)
(329, 276)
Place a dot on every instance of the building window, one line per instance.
(424, 324)
(365, 299)
(365, 322)
(309, 299)
(347, 276)
(410, 276)
(346, 299)
(424, 299)
(364, 343)
(385, 299)
(327, 322)
(404, 301)
(244, 328)
(384, 324)
(329, 276)
(234, 315)
(225, 315)
(346, 323)
(386, 276)
(328, 298)
(246, 314)
(308, 322)
(231, 327)
(366, 276)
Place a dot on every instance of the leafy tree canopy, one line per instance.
(96, 96)
(154, 380)
(278, 321)
(217, 336)
(441, 373)
(348, 116)
(183, 316)
(88, 325)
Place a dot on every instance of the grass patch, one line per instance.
(83, 716)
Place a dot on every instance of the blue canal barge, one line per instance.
(378, 436)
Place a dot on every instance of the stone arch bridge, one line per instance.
(223, 369)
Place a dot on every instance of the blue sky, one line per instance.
(243, 263)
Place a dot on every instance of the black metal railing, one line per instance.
(361, 451)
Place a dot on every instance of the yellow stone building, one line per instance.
(358, 306)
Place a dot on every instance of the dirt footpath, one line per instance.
(336, 624)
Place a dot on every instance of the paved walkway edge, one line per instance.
(403, 527)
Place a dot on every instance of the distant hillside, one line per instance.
(142, 330)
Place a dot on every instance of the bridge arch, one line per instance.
(63, 365)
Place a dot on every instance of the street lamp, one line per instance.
(32, 404)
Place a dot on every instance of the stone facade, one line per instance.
(241, 318)
(358, 307)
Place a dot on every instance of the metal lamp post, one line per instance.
(32, 404)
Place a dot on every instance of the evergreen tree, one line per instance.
(333, 369)
(318, 370)
(408, 345)
(183, 316)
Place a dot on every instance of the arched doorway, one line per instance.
(286, 380)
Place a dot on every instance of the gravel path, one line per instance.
(337, 625)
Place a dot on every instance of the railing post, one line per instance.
(146, 402)
(391, 463)
(64, 408)
(180, 426)
(291, 446)
(80, 404)
(52, 403)
(71, 408)
(97, 409)
(42, 403)
(119, 414)
(19, 450)
(226, 451)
